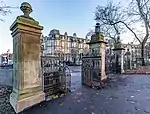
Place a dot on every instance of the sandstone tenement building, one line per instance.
(70, 48)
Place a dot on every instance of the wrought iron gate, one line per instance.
(91, 71)
(110, 62)
(91, 68)
(55, 78)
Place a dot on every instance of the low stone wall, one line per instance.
(142, 70)
(5, 77)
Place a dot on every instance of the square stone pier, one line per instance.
(27, 80)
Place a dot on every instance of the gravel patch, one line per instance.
(5, 107)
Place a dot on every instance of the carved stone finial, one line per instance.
(26, 8)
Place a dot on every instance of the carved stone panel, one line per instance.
(30, 48)
(31, 74)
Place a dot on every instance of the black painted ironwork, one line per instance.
(55, 78)
(91, 69)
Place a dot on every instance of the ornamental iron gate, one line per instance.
(91, 68)
(110, 62)
(91, 71)
(55, 78)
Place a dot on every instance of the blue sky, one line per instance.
(66, 15)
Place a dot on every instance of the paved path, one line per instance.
(6, 77)
(127, 95)
(75, 77)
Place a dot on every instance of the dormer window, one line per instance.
(65, 34)
(74, 35)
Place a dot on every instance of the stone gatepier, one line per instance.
(93, 64)
(27, 81)
(119, 56)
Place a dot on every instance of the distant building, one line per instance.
(70, 48)
(133, 51)
(6, 58)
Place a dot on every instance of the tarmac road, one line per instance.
(128, 94)
(6, 77)
(125, 95)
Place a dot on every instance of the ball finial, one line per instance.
(26, 8)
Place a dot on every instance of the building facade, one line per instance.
(6, 58)
(69, 48)
(132, 53)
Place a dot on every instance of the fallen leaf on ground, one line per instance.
(78, 101)
(146, 111)
(92, 107)
(61, 104)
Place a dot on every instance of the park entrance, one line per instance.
(36, 78)
(56, 77)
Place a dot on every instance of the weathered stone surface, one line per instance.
(120, 53)
(27, 90)
(93, 65)
(102, 50)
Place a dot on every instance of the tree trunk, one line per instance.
(142, 54)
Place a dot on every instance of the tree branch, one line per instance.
(129, 29)
(146, 23)
(4, 9)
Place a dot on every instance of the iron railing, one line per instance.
(55, 78)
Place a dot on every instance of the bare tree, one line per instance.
(89, 34)
(4, 10)
(138, 11)
(106, 16)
